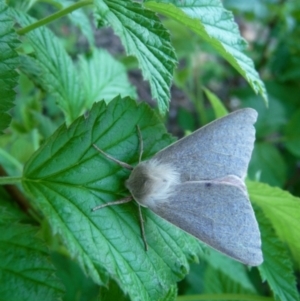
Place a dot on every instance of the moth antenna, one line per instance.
(122, 201)
(142, 227)
(123, 164)
(141, 143)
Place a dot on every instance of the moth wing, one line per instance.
(218, 214)
(220, 148)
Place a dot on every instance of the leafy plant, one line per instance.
(52, 245)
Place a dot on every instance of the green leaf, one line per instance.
(59, 75)
(292, 134)
(78, 285)
(8, 63)
(221, 274)
(216, 103)
(233, 271)
(277, 267)
(112, 292)
(67, 177)
(262, 165)
(143, 36)
(217, 282)
(32, 69)
(26, 273)
(216, 26)
(9, 211)
(283, 211)
(103, 77)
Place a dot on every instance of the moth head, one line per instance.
(152, 182)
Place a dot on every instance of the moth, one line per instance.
(197, 184)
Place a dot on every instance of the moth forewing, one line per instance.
(221, 148)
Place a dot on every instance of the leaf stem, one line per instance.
(9, 159)
(9, 180)
(13, 190)
(57, 15)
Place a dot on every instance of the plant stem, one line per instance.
(9, 180)
(57, 15)
(13, 190)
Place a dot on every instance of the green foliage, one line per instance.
(105, 85)
(217, 282)
(216, 103)
(234, 272)
(277, 267)
(292, 141)
(60, 93)
(282, 209)
(80, 286)
(143, 35)
(24, 259)
(8, 63)
(24, 263)
(57, 73)
(215, 25)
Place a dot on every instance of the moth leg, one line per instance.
(141, 143)
(122, 201)
(129, 198)
(123, 164)
(142, 227)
